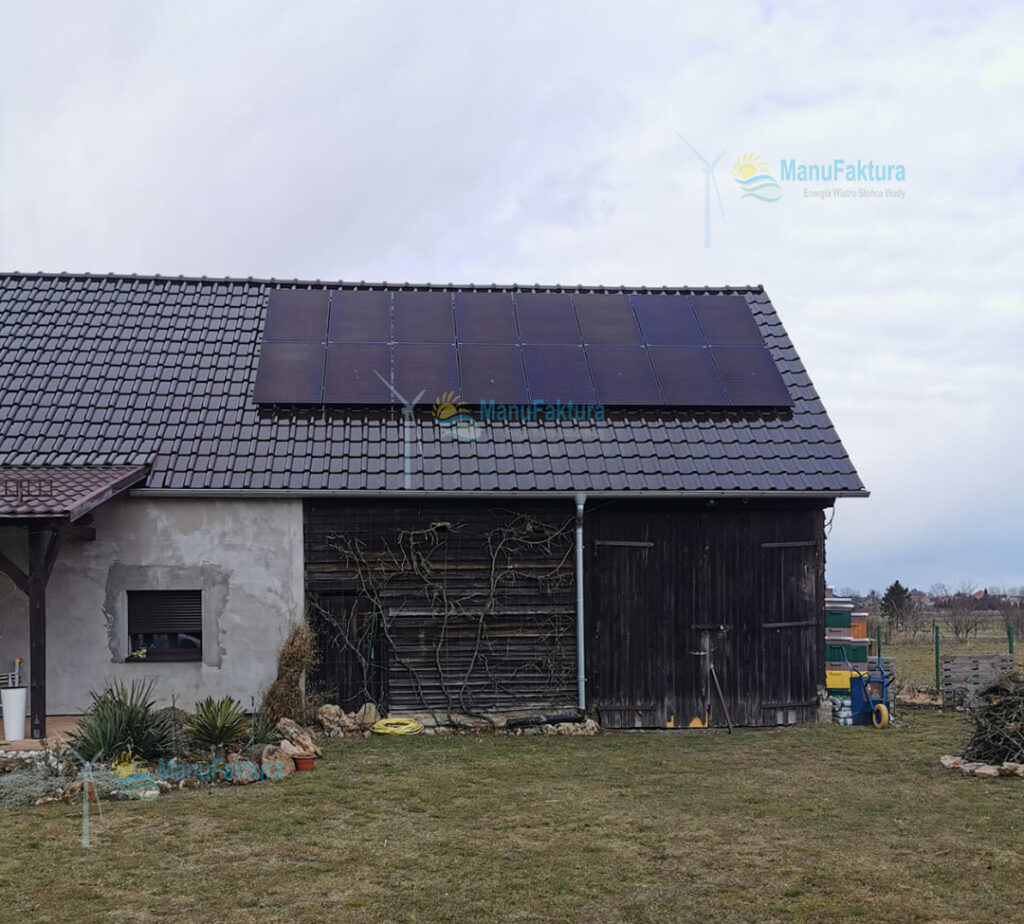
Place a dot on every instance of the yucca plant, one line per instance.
(218, 723)
(122, 717)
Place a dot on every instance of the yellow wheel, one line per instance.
(880, 716)
(397, 727)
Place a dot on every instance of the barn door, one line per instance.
(791, 631)
(628, 630)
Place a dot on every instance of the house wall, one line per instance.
(246, 557)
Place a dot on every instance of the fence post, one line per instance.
(1009, 637)
(878, 640)
(938, 679)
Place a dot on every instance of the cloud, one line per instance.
(537, 142)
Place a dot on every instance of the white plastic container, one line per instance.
(13, 700)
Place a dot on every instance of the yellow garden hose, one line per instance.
(396, 727)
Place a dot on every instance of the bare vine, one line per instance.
(463, 603)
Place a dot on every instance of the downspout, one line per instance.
(581, 682)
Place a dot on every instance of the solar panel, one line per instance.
(360, 316)
(485, 317)
(726, 320)
(424, 317)
(492, 372)
(558, 373)
(688, 377)
(296, 314)
(546, 317)
(751, 377)
(429, 367)
(667, 320)
(290, 373)
(606, 319)
(350, 374)
(623, 375)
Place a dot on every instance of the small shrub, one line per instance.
(218, 723)
(23, 787)
(296, 657)
(122, 717)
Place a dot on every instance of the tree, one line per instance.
(961, 618)
(896, 605)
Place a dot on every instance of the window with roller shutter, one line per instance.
(166, 624)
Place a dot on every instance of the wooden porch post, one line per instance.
(43, 541)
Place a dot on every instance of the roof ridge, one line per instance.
(383, 284)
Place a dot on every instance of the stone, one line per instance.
(297, 735)
(74, 792)
(241, 769)
(987, 771)
(333, 719)
(950, 761)
(968, 767)
(164, 786)
(367, 715)
(1009, 768)
(277, 763)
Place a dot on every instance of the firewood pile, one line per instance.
(998, 714)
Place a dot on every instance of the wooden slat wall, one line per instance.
(521, 657)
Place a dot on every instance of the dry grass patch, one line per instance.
(816, 824)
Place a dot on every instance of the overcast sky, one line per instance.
(536, 142)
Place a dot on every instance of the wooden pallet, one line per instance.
(963, 675)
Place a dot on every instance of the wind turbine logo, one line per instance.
(709, 180)
(88, 788)
(408, 409)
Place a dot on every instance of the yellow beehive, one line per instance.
(837, 680)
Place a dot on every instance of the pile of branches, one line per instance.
(998, 714)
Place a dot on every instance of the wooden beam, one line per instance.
(15, 573)
(77, 531)
(43, 544)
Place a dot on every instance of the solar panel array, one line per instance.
(360, 347)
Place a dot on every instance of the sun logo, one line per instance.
(752, 175)
(449, 405)
(453, 416)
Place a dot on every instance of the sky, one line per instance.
(541, 142)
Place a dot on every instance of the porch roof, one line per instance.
(62, 491)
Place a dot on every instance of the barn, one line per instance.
(484, 499)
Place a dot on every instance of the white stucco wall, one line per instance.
(246, 556)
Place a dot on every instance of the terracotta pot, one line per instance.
(304, 761)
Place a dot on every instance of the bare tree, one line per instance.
(961, 617)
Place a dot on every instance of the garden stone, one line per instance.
(297, 735)
(277, 763)
(987, 771)
(243, 769)
(367, 715)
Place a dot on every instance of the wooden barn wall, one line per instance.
(668, 581)
(441, 650)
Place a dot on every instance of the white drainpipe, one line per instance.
(581, 680)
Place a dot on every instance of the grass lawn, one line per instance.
(915, 657)
(820, 823)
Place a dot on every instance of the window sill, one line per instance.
(166, 657)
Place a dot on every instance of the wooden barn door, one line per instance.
(791, 631)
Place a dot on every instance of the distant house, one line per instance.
(623, 513)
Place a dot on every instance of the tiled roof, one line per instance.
(62, 491)
(125, 370)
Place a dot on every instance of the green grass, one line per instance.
(819, 823)
(915, 657)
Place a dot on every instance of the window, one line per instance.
(165, 624)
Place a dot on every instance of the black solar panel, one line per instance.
(296, 314)
(558, 373)
(485, 317)
(424, 317)
(726, 320)
(351, 377)
(546, 317)
(688, 377)
(360, 316)
(606, 319)
(290, 373)
(492, 372)
(751, 377)
(667, 320)
(425, 366)
(623, 375)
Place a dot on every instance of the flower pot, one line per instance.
(12, 700)
(304, 761)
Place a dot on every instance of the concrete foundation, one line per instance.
(245, 556)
